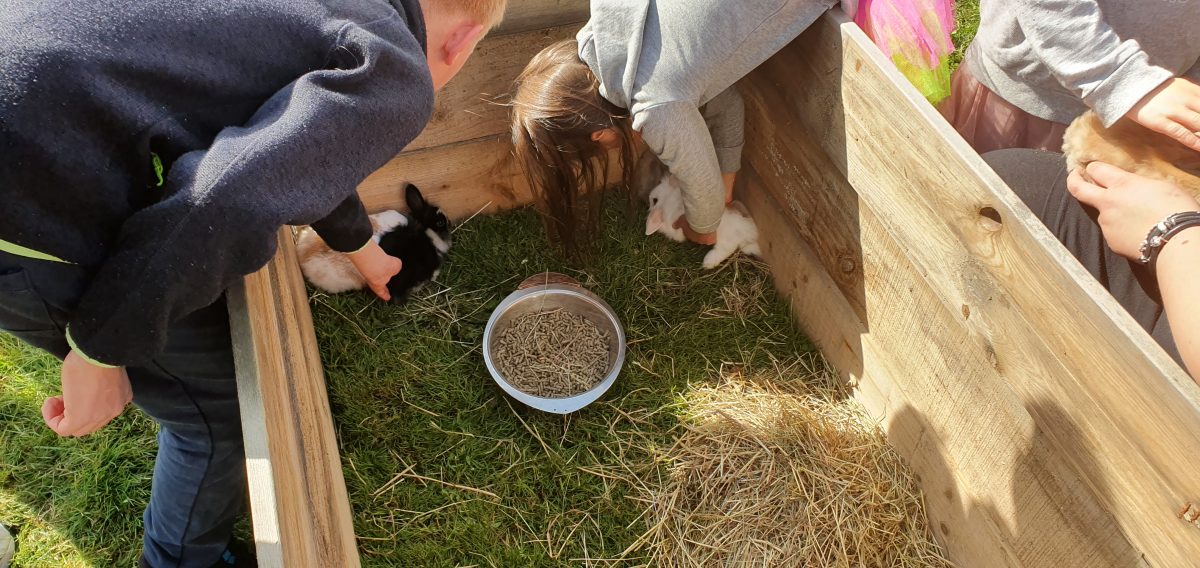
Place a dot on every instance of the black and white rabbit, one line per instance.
(420, 239)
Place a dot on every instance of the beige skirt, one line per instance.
(988, 122)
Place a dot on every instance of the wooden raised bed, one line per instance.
(1046, 427)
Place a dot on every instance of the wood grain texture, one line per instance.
(981, 458)
(462, 179)
(300, 508)
(526, 15)
(1018, 388)
(465, 179)
(473, 104)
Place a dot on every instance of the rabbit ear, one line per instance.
(654, 221)
(414, 199)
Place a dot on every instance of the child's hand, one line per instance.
(91, 397)
(1172, 109)
(1129, 204)
(698, 238)
(377, 267)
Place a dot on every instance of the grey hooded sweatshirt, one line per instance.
(672, 63)
(1056, 58)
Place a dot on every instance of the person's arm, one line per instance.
(1129, 206)
(725, 115)
(1178, 269)
(348, 230)
(677, 134)
(298, 157)
(1110, 74)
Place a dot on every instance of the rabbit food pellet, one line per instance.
(553, 354)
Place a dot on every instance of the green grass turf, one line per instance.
(411, 395)
(966, 15)
(75, 502)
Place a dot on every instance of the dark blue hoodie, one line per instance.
(261, 113)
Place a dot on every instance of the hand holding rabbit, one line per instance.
(406, 252)
(737, 231)
(1172, 109)
(377, 268)
(707, 239)
(1129, 204)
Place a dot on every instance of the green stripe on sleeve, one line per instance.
(16, 249)
(79, 352)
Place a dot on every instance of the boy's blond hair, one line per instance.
(489, 13)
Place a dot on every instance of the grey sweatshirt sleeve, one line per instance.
(725, 115)
(1083, 52)
(299, 157)
(678, 134)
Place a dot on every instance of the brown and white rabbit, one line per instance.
(736, 233)
(1132, 147)
(420, 239)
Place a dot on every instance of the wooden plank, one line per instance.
(953, 416)
(462, 179)
(1102, 396)
(474, 103)
(476, 177)
(299, 505)
(526, 15)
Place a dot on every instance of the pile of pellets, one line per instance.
(552, 354)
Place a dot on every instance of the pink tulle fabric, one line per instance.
(918, 30)
(915, 35)
(988, 122)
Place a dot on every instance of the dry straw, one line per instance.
(767, 477)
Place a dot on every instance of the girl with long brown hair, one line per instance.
(654, 71)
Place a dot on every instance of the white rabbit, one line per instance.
(736, 233)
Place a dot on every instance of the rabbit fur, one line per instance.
(420, 239)
(737, 231)
(1132, 147)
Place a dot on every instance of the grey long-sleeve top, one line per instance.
(1056, 58)
(673, 64)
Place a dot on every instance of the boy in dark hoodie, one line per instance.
(149, 153)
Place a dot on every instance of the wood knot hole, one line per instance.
(990, 220)
(847, 265)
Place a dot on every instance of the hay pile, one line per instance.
(764, 477)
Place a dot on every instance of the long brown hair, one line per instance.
(556, 108)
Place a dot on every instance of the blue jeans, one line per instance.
(189, 389)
